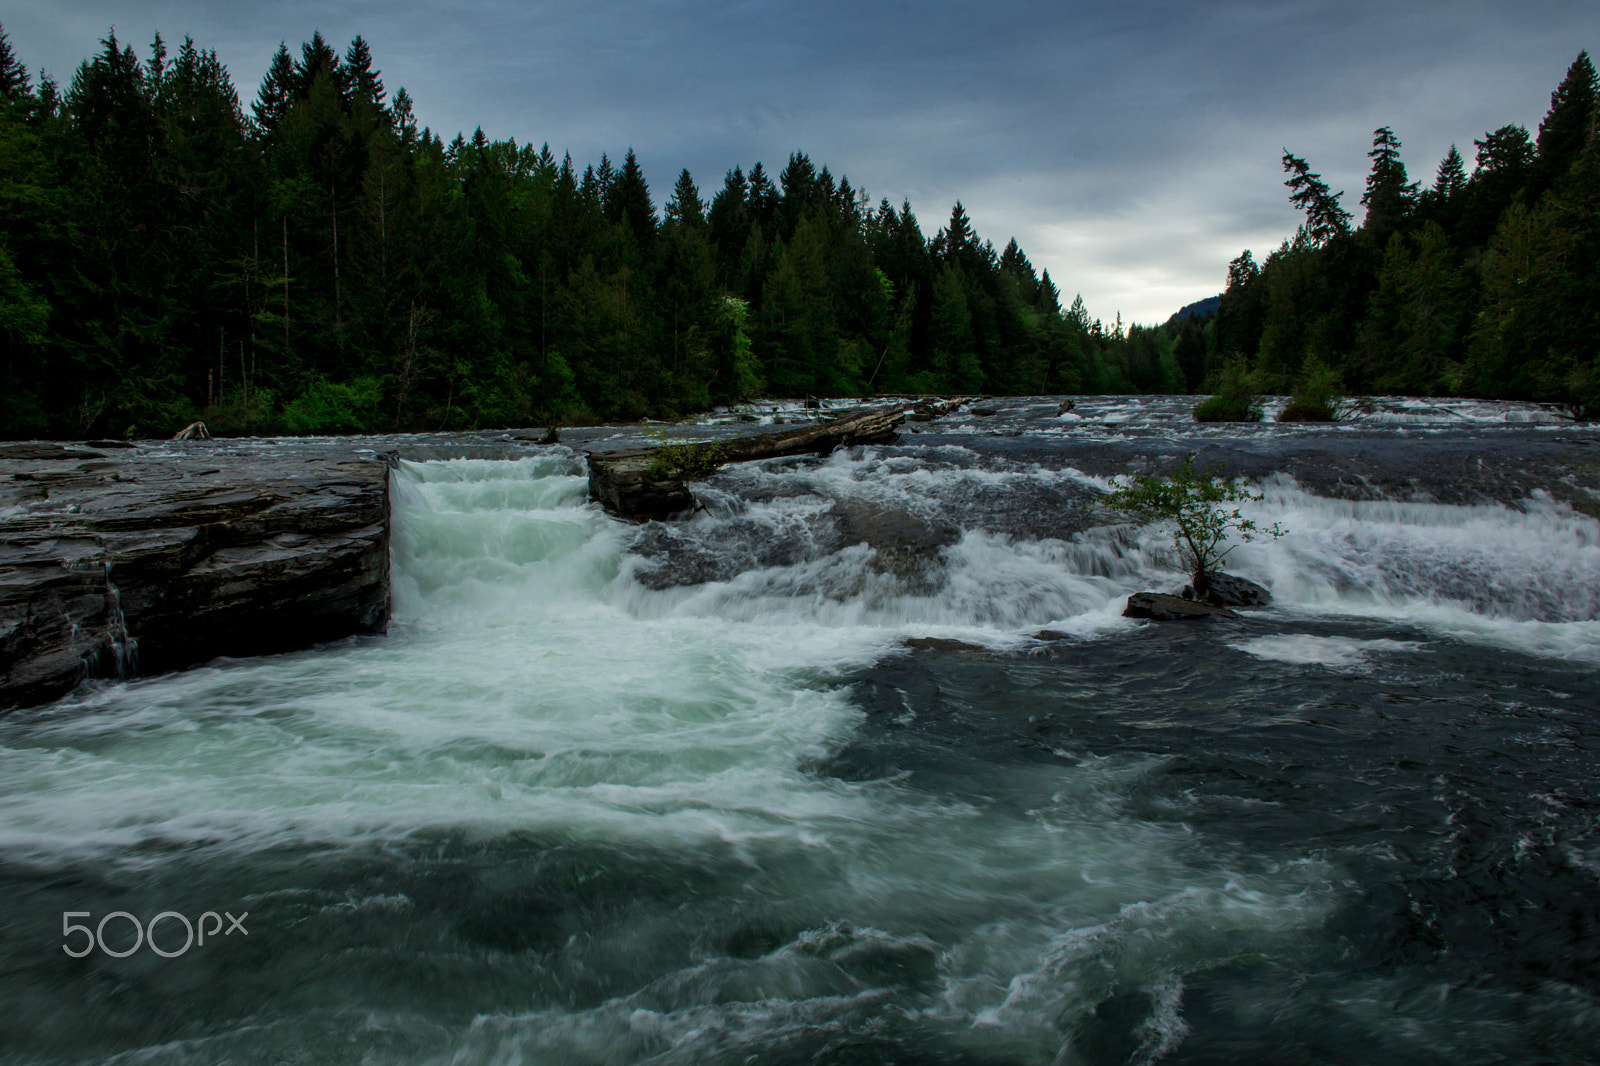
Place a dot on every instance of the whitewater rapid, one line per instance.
(536, 697)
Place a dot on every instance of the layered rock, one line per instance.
(117, 561)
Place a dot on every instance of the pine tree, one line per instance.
(605, 181)
(276, 93)
(317, 57)
(1505, 157)
(1389, 197)
(800, 187)
(365, 83)
(729, 222)
(630, 197)
(686, 209)
(13, 75)
(763, 197)
(1452, 176)
(1049, 299)
(1325, 219)
(405, 122)
(960, 245)
(1562, 133)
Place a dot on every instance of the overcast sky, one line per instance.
(1131, 148)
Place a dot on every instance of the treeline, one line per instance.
(318, 263)
(1485, 284)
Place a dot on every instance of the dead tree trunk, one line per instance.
(641, 483)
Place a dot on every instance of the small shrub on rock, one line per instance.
(1202, 510)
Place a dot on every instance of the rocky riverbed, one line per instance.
(119, 559)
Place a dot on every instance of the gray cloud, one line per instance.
(1131, 148)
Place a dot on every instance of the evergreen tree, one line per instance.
(1325, 219)
(1388, 198)
(364, 82)
(729, 222)
(276, 93)
(1451, 178)
(1566, 126)
(630, 197)
(959, 243)
(317, 59)
(13, 75)
(763, 197)
(686, 209)
(1505, 157)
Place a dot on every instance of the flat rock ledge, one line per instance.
(645, 483)
(1160, 607)
(118, 561)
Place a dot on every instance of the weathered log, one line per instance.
(193, 431)
(929, 409)
(652, 482)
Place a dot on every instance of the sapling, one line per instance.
(1203, 512)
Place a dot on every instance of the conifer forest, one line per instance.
(311, 261)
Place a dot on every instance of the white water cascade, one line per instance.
(532, 689)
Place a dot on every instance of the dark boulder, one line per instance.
(1227, 590)
(1160, 607)
(940, 644)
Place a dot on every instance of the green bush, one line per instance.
(689, 461)
(238, 414)
(1317, 395)
(328, 407)
(1235, 400)
(1198, 507)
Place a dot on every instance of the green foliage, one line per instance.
(1200, 509)
(1235, 399)
(330, 407)
(1481, 284)
(1317, 395)
(169, 251)
(689, 461)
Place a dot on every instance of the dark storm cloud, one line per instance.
(1131, 148)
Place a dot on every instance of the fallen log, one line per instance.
(642, 483)
(928, 409)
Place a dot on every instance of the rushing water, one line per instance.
(860, 765)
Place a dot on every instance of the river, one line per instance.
(862, 765)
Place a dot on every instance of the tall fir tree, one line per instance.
(1325, 219)
(1389, 197)
(1566, 126)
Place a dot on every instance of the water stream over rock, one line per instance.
(862, 764)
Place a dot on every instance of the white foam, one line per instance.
(1333, 652)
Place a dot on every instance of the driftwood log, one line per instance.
(929, 409)
(645, 483)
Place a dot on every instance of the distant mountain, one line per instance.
(1202, 308)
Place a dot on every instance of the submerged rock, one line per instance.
(940, 644)
(905, 543)
(1160, 607)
